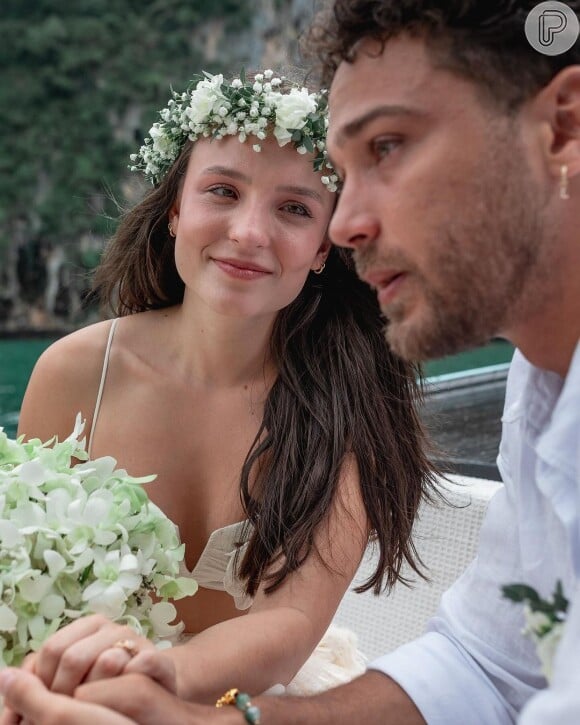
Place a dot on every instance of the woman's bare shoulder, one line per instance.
(75, 357)
(64, 382)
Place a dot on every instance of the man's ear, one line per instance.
(560, 101)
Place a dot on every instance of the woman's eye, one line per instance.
(383, 147)
(299, 209)
(224, 191)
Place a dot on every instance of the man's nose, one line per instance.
(354, 222)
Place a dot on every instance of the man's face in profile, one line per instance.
(439, 200)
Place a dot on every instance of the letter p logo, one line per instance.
(552, 28)
(551, 23)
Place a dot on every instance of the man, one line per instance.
(459, 148)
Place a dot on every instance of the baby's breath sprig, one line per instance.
(213, 108)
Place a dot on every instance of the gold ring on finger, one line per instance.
(128, 645)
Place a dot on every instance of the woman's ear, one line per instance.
(322, 254)
(325, 247)
(173, 218)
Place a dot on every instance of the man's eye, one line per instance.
(383, 147)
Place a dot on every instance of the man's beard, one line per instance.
(480, 273)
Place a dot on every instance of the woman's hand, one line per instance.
(93, 648)
(127, 700)
(28, 701)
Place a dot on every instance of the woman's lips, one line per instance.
(241, 270)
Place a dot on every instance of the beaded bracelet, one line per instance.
(242, 701)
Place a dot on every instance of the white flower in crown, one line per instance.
(162, 144)
(206, 99)
(292, 111)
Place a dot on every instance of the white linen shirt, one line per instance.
(473, 665)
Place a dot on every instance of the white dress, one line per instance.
(336, 659)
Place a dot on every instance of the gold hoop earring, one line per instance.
(564, 182)
(170, 227)
(320, 270)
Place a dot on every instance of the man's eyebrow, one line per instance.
(226, 171)
(353, 128)
(300, 191)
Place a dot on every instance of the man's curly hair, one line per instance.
(481, 40)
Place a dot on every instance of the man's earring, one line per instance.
(170, 227)
(564, 182)
(320, 270)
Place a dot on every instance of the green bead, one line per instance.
(242, 700)
(252, 715)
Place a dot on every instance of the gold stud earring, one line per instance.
(170, 227)
(564, 182)
(320, 270)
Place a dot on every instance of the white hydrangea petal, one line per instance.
(10, 536)
(52, 606)
(37, 627)
(103, 467)
(162, 613)
(102, 537)
(85, 558)
(8, 619)
(33, 589)
(129, 582)
(32, 472)
(55, 562)
(129, 563)
(78, 429)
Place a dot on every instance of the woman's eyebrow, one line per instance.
(227, 171)
(301, 191)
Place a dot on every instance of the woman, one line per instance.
(248, 369)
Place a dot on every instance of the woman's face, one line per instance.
(249, 226)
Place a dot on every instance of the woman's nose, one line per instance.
(251, 227)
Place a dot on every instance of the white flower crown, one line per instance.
(213, 108)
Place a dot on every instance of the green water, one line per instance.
(495, 353)
(17, 358)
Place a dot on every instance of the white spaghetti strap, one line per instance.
(102, 385)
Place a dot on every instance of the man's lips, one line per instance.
(381, 279)
(387, 282)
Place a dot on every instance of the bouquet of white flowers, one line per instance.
(80, 539)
